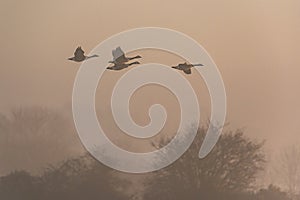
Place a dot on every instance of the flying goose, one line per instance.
(186, 68)
(79, 55)
(120, 66)
(119, 56)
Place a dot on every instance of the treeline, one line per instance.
(80, 178)
(229, 172)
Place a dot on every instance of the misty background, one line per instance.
(255, 45)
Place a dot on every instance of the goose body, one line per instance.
(120, 66)
(186, 68)
(119, 56)
(79, 55)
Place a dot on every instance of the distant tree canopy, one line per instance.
(31, 137)
(32, 134)
(19, 185)
(75, 179)
(272, 192)
(231, 167)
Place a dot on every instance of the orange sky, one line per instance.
(254, 43)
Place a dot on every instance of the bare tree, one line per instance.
(287, 169)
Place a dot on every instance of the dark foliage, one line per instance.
(228, 172)
(272, 192)
(76, 179)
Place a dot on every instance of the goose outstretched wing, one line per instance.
(118, 54)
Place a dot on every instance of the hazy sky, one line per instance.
(255, 44)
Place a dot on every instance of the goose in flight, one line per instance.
(79, 55)
(120, 66)
(119, 56)
(186, 68)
